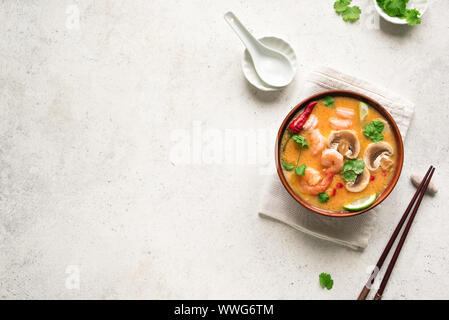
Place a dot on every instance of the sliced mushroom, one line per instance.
(386, 163)
(378, 154)
(360, 182)
(345, 142)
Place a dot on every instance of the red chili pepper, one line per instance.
(297, 124)
(334, 192)
(339, 185)
(384, 173)
(372, 178)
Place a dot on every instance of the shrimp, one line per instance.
(332, 160)
(312, 176)
(345, 113)
(340, 123)
(317, 141)
(311, 123)
(319, 187)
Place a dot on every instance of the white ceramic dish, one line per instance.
(248, 67)
(420, 5)
(272, 66)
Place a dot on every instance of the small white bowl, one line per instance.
(420, 5)
(248, 67)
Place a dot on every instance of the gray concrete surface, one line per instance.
(98, 99)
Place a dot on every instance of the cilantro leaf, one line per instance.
(351, 14)
(373, 130)
(379, 125)
(301, 170)
(288, 167)
(300, 140)
(356, 165)
(347, 166)
(348, 13)
(329, 102)
(398, 8)
(412, 17)
(377, 136)
(326, 281)
(352, 168)
(323, 197)
(394, 8)
(341, 5)
(349, 176)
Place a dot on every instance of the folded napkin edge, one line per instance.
(314, 234)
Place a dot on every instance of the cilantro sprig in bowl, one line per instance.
(401, 11)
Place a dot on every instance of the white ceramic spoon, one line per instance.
(272, 67)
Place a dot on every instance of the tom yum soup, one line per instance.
(339, 154)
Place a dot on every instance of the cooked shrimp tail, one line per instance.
(319, 187)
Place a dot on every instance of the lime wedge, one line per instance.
(361, 203)
(363, 111)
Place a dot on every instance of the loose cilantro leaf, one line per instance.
(300, 171)
(329, 102)
(288, 167)
(374, 130)
(412, 17)
(351, 14)
(348, 13)
(323, 197)
(352, 168)
(300, 140)
(341, 5)
(326, 281)
(349, 176)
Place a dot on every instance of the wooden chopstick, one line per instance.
(396, 253)
(366, 289)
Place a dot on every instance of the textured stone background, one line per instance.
(88, 106)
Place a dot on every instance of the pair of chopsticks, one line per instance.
(419, 194)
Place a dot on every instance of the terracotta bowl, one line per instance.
(368, 101)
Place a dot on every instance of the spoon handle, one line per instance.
(247, 38)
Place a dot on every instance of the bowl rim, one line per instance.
(371, 102)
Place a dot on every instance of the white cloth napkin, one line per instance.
(277, 204)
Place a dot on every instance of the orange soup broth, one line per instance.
(342, 196)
